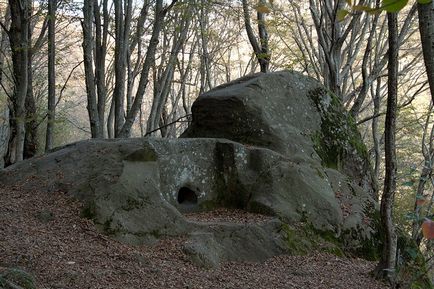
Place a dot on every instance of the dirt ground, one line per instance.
(43, 234)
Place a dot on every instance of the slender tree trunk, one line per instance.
(121, 46)
(3, 42)
(149, 60)
(375, 136)
(31, 135)
(205, 69)
(387, 265)
(20, 44)
(111, 120)
(164, 82)
(101, 34)
(51, 74)
(260, 49)
(263, 39)
(88, 44)
(4, 109)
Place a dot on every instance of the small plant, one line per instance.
(16, 278)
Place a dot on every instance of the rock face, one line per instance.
(135, 190)
(258, 144)
(288, 113)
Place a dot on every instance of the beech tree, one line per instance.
(261, 48)
(18, 34)
(387, 265)
(51, 74)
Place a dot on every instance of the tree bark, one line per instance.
(205, 69)
(122, 32)
(163, 83)
(149, 60)
(4, 109)
(31, 135)
(20, 44)
(88, 44)
(386, 267)
(101, 35)
(261, 50)
(426, 29)
(51, 75)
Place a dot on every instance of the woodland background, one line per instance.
(72, 70)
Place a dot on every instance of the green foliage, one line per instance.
(390, 6)
(341, 14)
(303, 239)
(13, 278)
(89, 211)
(393, 5)
(412, 266)
(338, 134)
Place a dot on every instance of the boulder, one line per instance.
(235, 242)
(289, 113)
(264, 144)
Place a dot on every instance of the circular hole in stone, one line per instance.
(187, 196)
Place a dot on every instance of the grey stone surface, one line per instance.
(219, 242)
(286, 112)
(278, 159)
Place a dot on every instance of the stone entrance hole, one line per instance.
(187, 196)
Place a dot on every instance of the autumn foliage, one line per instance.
(428, 229)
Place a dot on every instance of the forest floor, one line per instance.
(44, 235)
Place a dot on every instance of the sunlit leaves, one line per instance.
(342, 14)
(393, 5)
(261, 8)
(386, 5)
(428, 229)
(264, 6)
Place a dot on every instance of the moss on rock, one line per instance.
(303, 239)
(338, 135)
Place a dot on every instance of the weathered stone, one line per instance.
(284, 163)
(222, 242)
(133, 188)
(286, 112)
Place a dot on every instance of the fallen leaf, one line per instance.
(428, 229)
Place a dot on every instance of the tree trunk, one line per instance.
(101, 34)
(19, 42)
(426, 28)
(88, 44)
(51, 75)
(205, 69)
(386, 267)
(31, 135)
(122, 32)
(149, 60)
(375, 136)
(261, 50)
(164, 82)
(4, 109)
